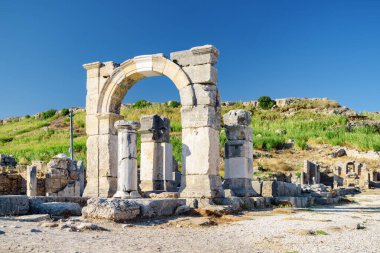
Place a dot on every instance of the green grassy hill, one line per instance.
(40, 139)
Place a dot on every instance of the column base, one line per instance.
(239, 187)
(201, 186)
(127, 195)
(104, 187)
(158, 185)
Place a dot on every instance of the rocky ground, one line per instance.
(346, 228)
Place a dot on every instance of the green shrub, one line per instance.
(48, 114)
(174, 104)
(266, 102)
(141, 104)
(27, 116)
(175, 127)
(65, 112)
(5, 139)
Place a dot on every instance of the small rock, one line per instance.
(90, 226)
(203, 222)
(2, 232)
(34, 230)
(281, 131)
(15, 226)
(182, 210)
(311, 232)
(49, 225)
(360, 226)
(125, 226)
(69, 229)
(339, 152)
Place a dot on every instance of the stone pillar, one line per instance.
(127, 159)
(31, 181)
(156, 154)
(101, 174)
(200, 113)
(238, 154)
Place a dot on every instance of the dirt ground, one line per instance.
(320, 229)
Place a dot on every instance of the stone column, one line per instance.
(31, 181)
(156, 154)
(238, 154)
(127, 159)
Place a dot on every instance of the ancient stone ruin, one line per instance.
(353, 174)
(194, 75)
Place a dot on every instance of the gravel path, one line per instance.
(327, 229)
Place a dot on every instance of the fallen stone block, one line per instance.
(64, 209)
(28, 218)
(111, 209)
(14, 205)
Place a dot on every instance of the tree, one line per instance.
(266, 102)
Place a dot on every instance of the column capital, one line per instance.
(127, 125)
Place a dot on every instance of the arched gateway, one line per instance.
(193, 73)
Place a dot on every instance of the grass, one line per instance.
(321, 232)
(40, 139)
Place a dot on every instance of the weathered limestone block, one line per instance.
(201, 186)
(238, 154)
(156, 154)
(65, 209)
(156, 166)
(127, 159)
(200, 116)
(118, 210)
(207, 54)
(200, 94)
(238, 148)
(151, 208)
(238, 167)
(31, 181)
(276, 189)
(237, 117)
(14, 205)
(238, 132)
(200, 151)
(63, 177)
(154, 128)
(203, 74)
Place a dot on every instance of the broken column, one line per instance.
(127, 159)
(238, 154)
(31, 181)
(156, 169)
(200, 114)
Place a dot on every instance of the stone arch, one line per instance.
(134, 70)
(193, 73)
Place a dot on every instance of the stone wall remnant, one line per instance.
(311, 173)
(238, 157)
(63, 177)
(353, 174)
(127, 159)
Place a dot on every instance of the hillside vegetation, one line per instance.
(303, 124)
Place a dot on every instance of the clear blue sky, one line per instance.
(284, 48)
